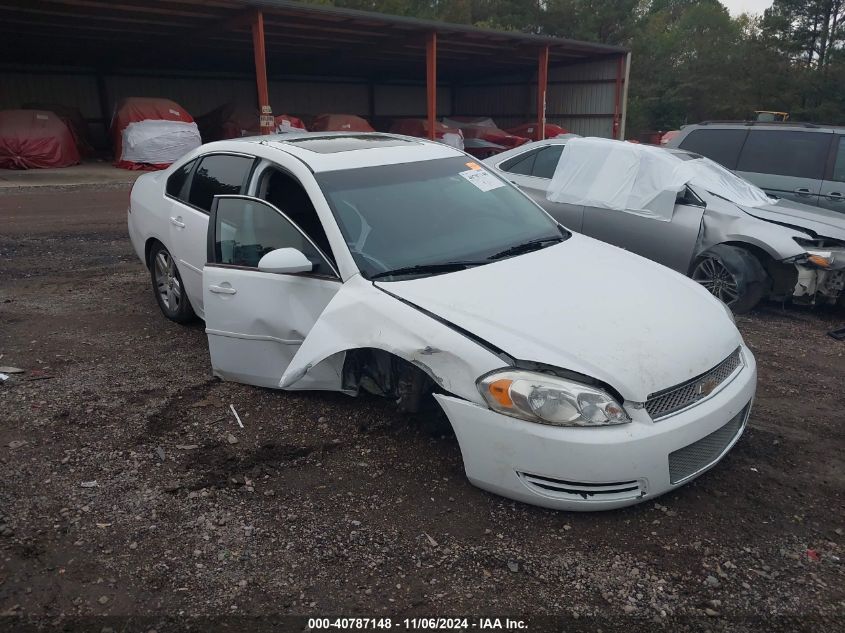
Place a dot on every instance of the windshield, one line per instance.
(430, 213)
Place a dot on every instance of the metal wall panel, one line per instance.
(75, 90)
(409, 100)
(196, 95)
(586, 126)
(311, 98)
(493, 100)
(577, 97)
(599, 69)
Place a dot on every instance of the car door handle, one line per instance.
(222, 290)
(835, 195)
(802, 191)
(177, 221)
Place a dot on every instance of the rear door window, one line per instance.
(218, 174)
(546, 161)
(723, 146)
(178, 180)
(785, 153)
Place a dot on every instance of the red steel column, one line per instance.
(431, 81)
(264, 109)
(617, 109)
(542, 85)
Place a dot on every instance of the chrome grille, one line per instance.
(693, 458)
(582, 491)
(664, 403)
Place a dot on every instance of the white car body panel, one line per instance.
(497, 449)
(256, 322)
(637, 356)
(362, 316)
(580, 306)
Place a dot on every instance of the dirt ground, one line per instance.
(128, 489)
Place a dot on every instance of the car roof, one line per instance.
(774, 125)
(332, 151)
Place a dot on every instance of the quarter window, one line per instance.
(176, 184)
(723, 146)
(218, 174)
(246, 229)
(785, 153)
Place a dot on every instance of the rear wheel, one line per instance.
(733, 275)
(167, 286)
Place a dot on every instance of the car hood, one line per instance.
(822, 222)
(587, 307)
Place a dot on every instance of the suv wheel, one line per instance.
(167, 286)
(733, 275)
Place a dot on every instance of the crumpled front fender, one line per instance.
(362, 316)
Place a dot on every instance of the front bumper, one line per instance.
(575, 468)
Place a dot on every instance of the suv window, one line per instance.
(785, 153)
(246, 229)
(546, 161)
(177, 180)
(723, 146)
(839, 165)
(218, 174)
(522, 164)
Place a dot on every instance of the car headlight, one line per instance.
(548, 399)
(822, 259)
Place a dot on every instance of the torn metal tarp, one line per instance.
(640, 179)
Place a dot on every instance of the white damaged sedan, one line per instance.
(575, 375)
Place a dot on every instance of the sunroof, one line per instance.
(334, 144)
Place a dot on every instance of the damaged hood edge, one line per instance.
(626, 321)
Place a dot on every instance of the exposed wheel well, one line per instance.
(148, 250)
(385, 374)
(782, 277)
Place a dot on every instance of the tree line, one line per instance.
(692, 60)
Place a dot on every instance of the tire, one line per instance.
(167, 285)
(733, 275)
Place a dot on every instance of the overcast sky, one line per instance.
(746, 6)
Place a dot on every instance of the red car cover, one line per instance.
(134, 109)
(31, 139)
(481, 136)
(340, 123)
(532, 131)
(73, 119)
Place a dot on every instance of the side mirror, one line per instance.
(285, 260)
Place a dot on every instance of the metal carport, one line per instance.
(398, 66)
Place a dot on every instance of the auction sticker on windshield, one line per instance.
(482, 179)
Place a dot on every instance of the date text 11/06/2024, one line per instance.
(418, 624)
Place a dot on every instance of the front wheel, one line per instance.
(168, 287)
(733, 275)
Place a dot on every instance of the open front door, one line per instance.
(256, 320)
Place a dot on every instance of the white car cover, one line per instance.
(640, 179)
(158, 142)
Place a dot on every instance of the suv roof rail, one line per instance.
(753, 123)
